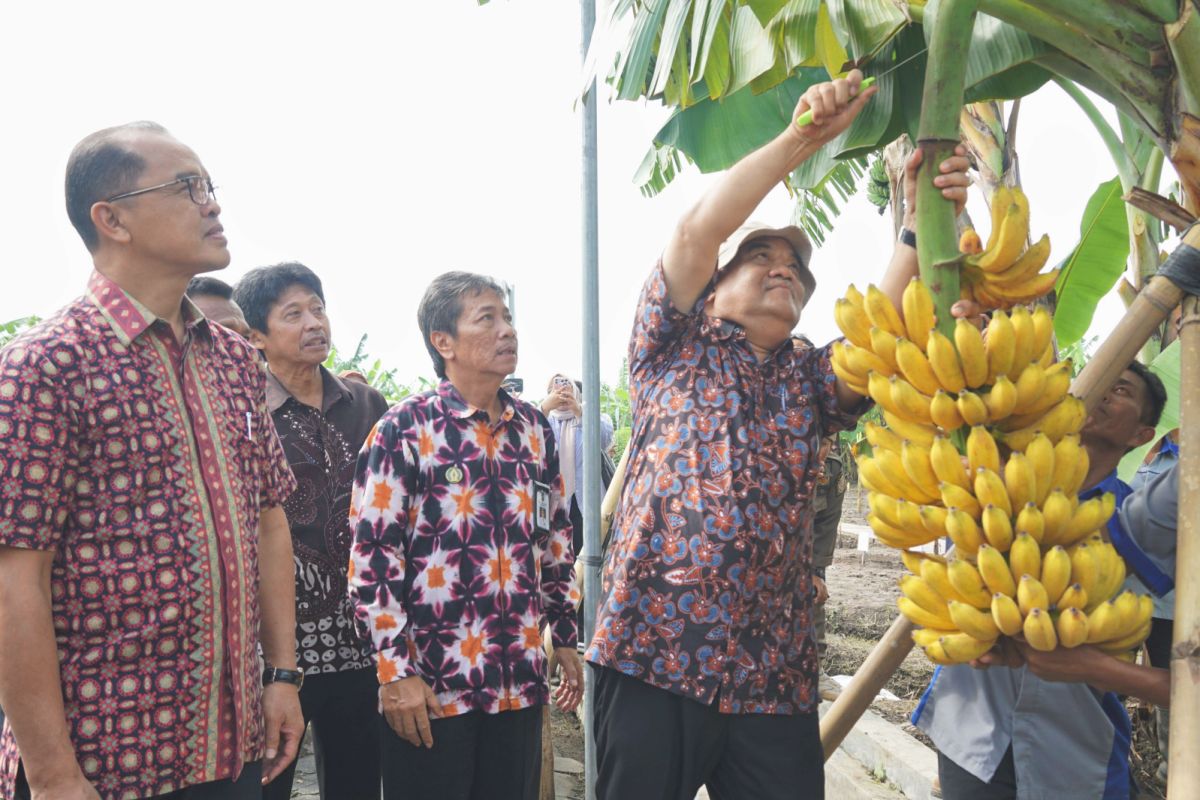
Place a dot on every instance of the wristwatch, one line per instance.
(276, 675)
(908, 237)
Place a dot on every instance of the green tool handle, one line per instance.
(806, 117)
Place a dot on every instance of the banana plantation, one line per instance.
(1005, 405)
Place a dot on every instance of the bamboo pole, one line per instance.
(1184, 778)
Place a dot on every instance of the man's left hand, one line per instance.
(1064, 665)
(570, 687)
(285, 726)
(821, 589)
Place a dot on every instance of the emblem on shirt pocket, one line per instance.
(453, 474)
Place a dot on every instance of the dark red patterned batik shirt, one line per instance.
(708, 587)
(143, 463)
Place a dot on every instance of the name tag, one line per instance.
(541, 507)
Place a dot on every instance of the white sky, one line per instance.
(384, 143)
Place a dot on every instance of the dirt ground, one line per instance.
(862, 605)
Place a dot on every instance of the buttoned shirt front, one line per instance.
(144, 463)
(321, 445)
(708, 587)
(452, 576)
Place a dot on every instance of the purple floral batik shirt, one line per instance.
(708, 588)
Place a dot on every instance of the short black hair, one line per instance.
(260, 289)
(205, 286)
(442, 306)
(1156, 394)
(100, 166)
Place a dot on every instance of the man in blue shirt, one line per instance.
(1002, 732)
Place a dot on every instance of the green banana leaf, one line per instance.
(1094, 265)
(1166, 367)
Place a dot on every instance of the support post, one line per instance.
(591, 390)
(1184, 778)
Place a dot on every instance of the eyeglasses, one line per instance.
(200, 190)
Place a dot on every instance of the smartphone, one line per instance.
(561, 382)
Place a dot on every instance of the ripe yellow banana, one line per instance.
(1072, 627)
(882, 312)
(917, 304)
(972, 621)
(945, 363)
(1066, 417)
(989, 490)
(1031, 594)
(958, 497)
(915, 367)
(1087, 518)
(947, 463)
(1085, 573)
(935, 653)
(994, 570)
(1040, 452)
(934, 519)
(937, 576)
(1110, 570)
(1039, 630)
(972, 409)
(1129, 640)
(944, 411)
(921, 434)
(874, 478)
(1058, 381)
(982, 452)
(1029, 520)
(1127, 606)
(1027, 265)
(1001, 400)
(1022, 322)
(1056, 513)
(921, 593)
(1043, 330)
(889, 461)
(1020, 480)
(971, 352)
(1025, 557)
(1056, 573)
(908, 402)
(1010, 239)
(962, 647)
(1006, 614)
(855, 298)
(1104, 623)
(916, 464)
(963, 531)
(886, 508)
(924, 637)
(1029, 386)
(862, 361)
(883, 344)
(838, 361)
(919, 616)
(881, 437)
(915, 560)
(967, 582)
(997, 528)
(1000, 203)
(852, 321)
(1026, 291)
(1066, 454)
(1074, 596)
(896, 537)
(1000, 345)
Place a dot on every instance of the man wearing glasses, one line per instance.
(142, 535)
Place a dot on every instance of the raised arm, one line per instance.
(691, 254)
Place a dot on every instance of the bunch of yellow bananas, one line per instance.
(1058, 597)
(1029, 558)
(1005, 272)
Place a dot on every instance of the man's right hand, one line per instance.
(834, 105)
(407, 706)
(75, 788)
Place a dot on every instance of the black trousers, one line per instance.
(1158, 643)
(958, 784)
(248, 786)
(341, 709)
(652, 744)
(475, 756)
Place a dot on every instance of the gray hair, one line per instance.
(442, 306)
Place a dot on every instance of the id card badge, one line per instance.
(541, 507)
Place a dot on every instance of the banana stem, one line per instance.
(1112, 25)
(941, 106)
(1183, 37)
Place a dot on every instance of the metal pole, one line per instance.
(591, 392)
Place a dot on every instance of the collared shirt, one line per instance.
(1151, 515)
(1165, 459)
(144, 464)
(708, 587)
(452, 576)
(321, 446)
(1069, 741)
